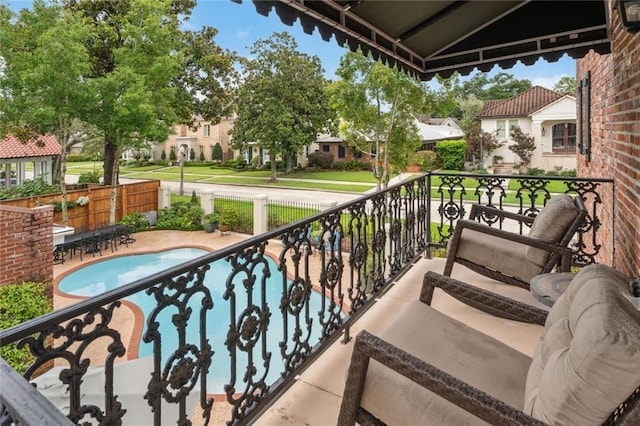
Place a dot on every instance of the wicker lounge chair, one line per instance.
(513, 258)
(428, 368)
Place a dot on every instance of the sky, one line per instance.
(239, 26)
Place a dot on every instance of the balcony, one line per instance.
(369, 260)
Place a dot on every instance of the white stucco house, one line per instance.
(548, 116)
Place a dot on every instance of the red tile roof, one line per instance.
(42, 146)
(522, 105)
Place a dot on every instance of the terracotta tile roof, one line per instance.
(44, 145)
(522, 105)
(490, 104)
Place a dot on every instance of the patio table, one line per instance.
(547, 288)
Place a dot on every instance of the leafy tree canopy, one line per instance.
(376, 105)
(282, 104)
(566, 85)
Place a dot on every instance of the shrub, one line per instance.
(194, 197)
(279, 165)
(136, 220)
(216, 152)
(229, 216)
(427, 160)
(172, 155)
(29, 188)
(357, 165)
(20, 303)
(339, 165)
(192, 155)
(163, 156)
(89, 177)
(321, 159)
(534, 171)
(202, 159)
(71, 158)
(180, 216)
(452, 153)
(569, 173)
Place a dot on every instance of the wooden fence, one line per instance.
(132, 197)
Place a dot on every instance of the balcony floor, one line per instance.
(316, 396)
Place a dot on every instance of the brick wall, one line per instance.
(26, 244)
(615, 133)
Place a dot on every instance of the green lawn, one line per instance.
(342, 176)
(293, 184)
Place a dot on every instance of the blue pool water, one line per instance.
(112, 273)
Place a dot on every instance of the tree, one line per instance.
(42, 82)
(376, 104)
(216, 152)
(523, 147)
(481, 144)
(566, 85)
(149, 74)
(500, 86)
(470, 108)
(281, 105)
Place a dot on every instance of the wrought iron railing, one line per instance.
(348, 254)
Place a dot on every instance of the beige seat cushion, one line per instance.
(587, 361)
(508, 257)
(551, 225)
(463, 352)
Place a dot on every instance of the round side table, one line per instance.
(547, 288)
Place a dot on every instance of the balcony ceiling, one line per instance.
(440, 37)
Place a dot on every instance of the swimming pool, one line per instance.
(108, 274)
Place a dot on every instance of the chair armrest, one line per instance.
(477, 209)
(465, 396)
(479, 298)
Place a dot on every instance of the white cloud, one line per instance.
(243, 34)
(547, 82)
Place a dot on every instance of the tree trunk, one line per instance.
(114, 188)
(56, 169)
(110, 159)
(272, 157)
(63, 186)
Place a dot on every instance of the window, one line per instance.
(500, 129)
(206, 130)
(564, 137)
(326, 148)
(341, 153)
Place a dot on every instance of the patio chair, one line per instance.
(428, 368)
(510, 257)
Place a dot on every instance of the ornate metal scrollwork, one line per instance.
(69, 343)
(587, 247)
(451, 208)
(189, 362)
(296, 293)
(358, 230)
(248, 330)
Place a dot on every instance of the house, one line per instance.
(15, 154)
(548, 116)
(202, 140)
(431, 131)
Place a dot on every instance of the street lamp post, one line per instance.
(182, 149)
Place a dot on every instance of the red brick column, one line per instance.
(26, 244)
(615, 133)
